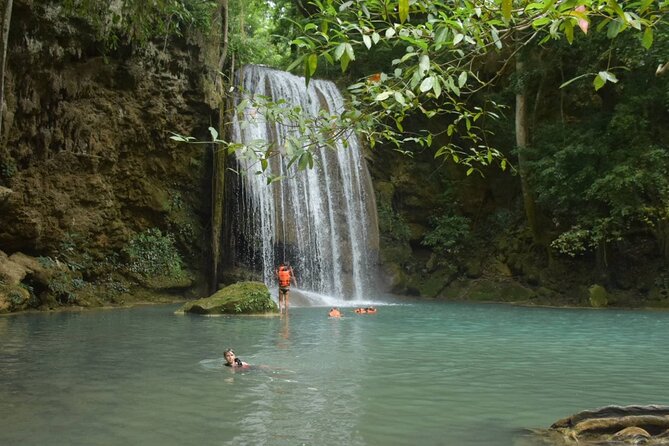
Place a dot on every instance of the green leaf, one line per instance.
(427, 84)
(616, 7)
(614, 29)
(457, 38)
(345, 5)
(339, 50)
(506, 10)
(214, 133)
(599, 81)
(344, 61)
(647, 39)
(295, 63)
(367, 41)
(349, 51)
(610, 77)
(441, 35)
(436, 87)
(312, 62)
(404, 10)
(399, 98)
(383, 96)
(375, 37)
(569, 31)
(462, 79)
(424, 64)
(470, 171)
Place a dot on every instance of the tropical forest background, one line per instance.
(519, 150)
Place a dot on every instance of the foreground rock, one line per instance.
(240, 298)
(612, 425)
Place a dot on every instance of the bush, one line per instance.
(151, 253)
(449, 235)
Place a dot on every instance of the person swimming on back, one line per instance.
(334, 312)
(232, 361)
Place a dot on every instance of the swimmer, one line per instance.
(361, 310)
(370, 310)
(334, 312)
(232, 361)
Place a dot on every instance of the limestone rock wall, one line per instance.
(85, 156)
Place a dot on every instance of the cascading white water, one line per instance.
(323, 220)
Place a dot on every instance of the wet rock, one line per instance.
(612, 425)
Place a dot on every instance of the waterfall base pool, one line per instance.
(419, 373)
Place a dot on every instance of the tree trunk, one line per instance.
(522, 140)
(6, 21)
(225, 26)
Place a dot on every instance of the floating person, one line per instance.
(365, 310)
(285, 275)
(334, 312)
(233, 361)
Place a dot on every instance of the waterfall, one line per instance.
(322, 220)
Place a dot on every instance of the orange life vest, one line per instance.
(284, 277)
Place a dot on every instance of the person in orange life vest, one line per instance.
(285, 274)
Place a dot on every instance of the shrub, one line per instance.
(151, 253)
(449, 235)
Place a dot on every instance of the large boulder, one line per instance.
(239, 298)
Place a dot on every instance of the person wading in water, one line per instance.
(285, 274)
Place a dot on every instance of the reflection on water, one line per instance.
(424, 373)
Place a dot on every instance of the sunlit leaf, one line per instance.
(424, 64)
(404, 10)
(462, 79)
(312, 63)
(506, 9)
(367, 41)
(427, 84)
(383, 96)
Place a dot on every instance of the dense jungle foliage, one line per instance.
(562, 104)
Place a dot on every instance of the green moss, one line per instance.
(598, 296)
(239, 298)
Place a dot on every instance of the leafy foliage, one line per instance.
(449, 235)
(255, 302)
(392, 224)
(436, 51)
(151, 253)
(139, 21)
(255, 32)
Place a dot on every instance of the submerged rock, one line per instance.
(239, 298)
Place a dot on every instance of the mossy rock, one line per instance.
(239, 298)
(599, 298)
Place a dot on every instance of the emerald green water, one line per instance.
(419, 373)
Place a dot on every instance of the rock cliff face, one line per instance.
(86, 162)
